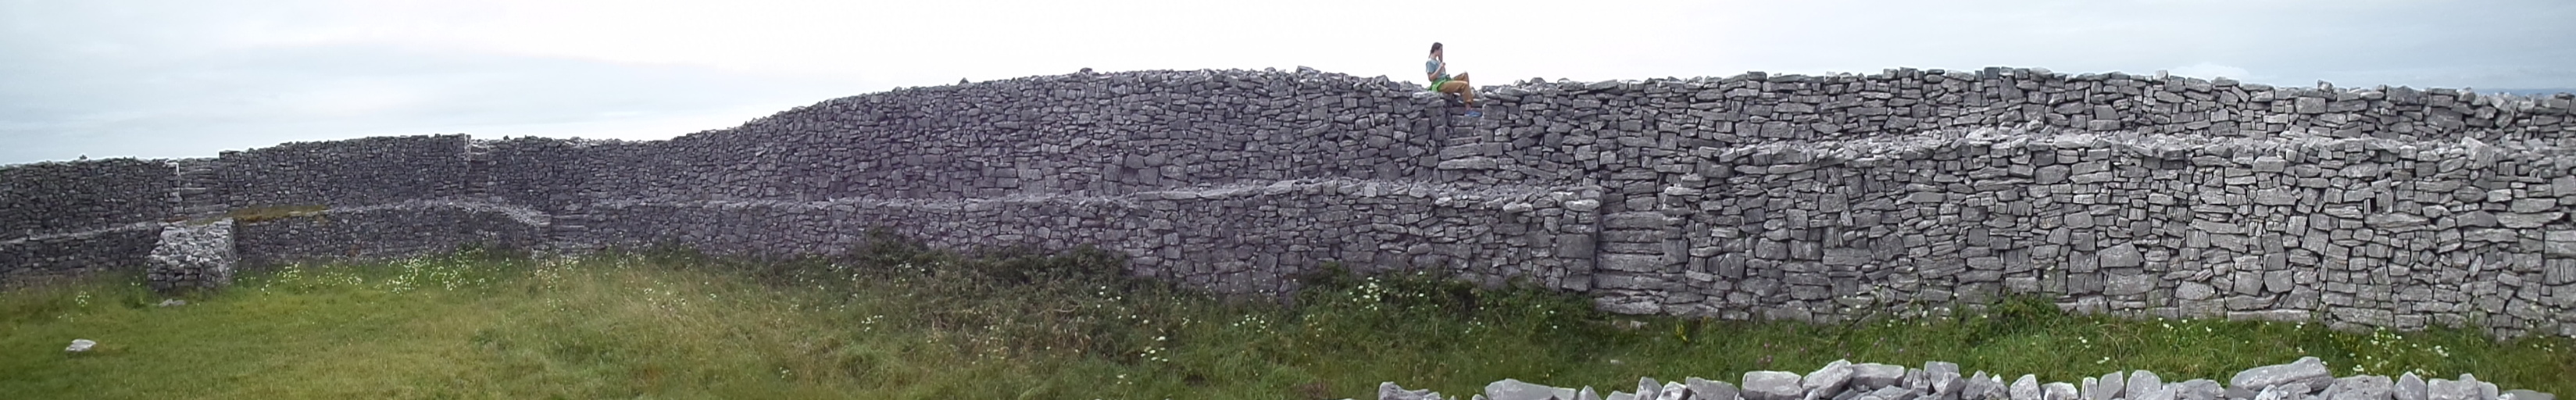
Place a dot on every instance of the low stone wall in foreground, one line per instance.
(2305, 379)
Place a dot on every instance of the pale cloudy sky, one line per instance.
(160, 79)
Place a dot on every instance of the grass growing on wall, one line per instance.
(270, 213)
(902, 322)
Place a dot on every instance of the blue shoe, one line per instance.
(1476, 114)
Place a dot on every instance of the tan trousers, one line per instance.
(1458, 85)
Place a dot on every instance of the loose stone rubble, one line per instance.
(2304, 379)
(193, 256)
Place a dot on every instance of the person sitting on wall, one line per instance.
(1438, 69)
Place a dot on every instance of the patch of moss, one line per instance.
(268, 213)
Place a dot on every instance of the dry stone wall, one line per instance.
(1807, 197)
(1238, 239)
(352, 173)
(62, 219)
(65, 197)
(385, 231)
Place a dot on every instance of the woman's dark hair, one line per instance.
(1435, 47)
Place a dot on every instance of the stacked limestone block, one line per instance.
(1683, 114)
(1236, 239)
(2363, 230)
(60, 219)
(387, 231)
(45, 257)
(344, 173)
(2307, 378)
(1082, 134)
(192, 256)
(63, 197)
(1775, 230)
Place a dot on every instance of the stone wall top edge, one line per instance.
(95, 162)
(328, 144)
(1387, 86)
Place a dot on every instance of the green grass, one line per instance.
(902, 322)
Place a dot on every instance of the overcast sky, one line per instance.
(162, 79)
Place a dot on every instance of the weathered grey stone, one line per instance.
(1941, 367)
(1874, 375)
(2058, 391)
(1513, 389)
(1472, 163)
(1584, 205)
(1980, 386)
(2445, 389)
(2525, 221)
(1632, 262)
(2560, 243)
(1773, 385)
(193, 256)
(1702, 389)
(2309, 105)
(2365, 387)
(1850, 257)
(2142, 382)
(2194, 291)
(2307, 371)
(2122, 256)
(2525, 394)
(2484, 390)
(2197, 389)
(2275, 197)
(1635, 220)
(1828, 380)
(2027, 388)
(1389, 391)
(2158, 392)
(2109, 386)
(2410, 387)
(1891, 393)
(2533, 205)
(2130, 285)
(1673, 391)
(2477, 218)
(2395, 221)
(2285, 391)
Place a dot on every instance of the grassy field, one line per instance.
(901, 322)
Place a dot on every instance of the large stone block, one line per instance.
(1633, 263)
(2122, 256)
(2130, 284)
(1773, 385)
(1636, 220)
(2560, 243)
(2526, 221)
(1514, 389)
(2308, 371)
